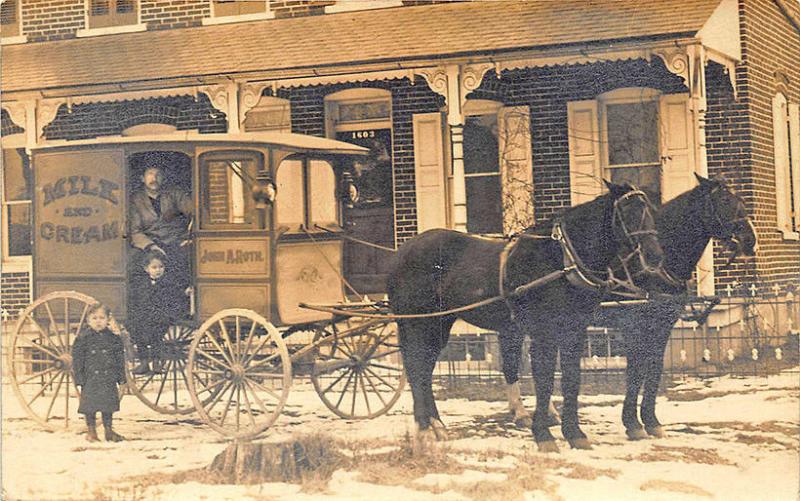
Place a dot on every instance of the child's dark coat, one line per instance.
(98, 359)
(154, 306)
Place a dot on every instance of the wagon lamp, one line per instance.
(348, 192)
(264, 191)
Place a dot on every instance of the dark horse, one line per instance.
(442, 270)
(685, 226)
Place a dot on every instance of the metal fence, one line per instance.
(751, 331)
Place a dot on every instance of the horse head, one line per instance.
(634, 228)
(725, 216)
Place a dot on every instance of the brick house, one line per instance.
(481, 116)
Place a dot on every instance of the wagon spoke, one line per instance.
(238, 338)
(247, 404)
(258, 400)
(164, 377)
(54, 324)
(387, 367)
(326, 390)
(43, 388)
(238, 404)
(263, 361)
(38, 374)
(255, 352)
(218, 396)
(213, 341)
(147, 381)
(234, 386)
(380, 378)
(355, 393)
(66, 404)
(212, 359)
(211, 386)
(249, 339)
(374, 389)
(80, 322)
(263, 388)
(344, 390)
(175, 369)
(43, 335)
(41, 348)
(364, 392)
(66, 320)
(55, 396)
(228, 342)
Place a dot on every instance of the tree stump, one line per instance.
(292, 461)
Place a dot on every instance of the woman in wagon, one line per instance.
(99, 363)
(159, 221)
(157, 301)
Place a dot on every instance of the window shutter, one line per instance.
(677, 146)
(516, 167)
(780, 136)
(585, 175)
(794, 140)
(429, 172)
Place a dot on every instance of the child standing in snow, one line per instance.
(99, 363)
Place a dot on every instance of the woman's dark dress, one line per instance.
(98, 359)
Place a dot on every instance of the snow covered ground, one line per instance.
(729, 439)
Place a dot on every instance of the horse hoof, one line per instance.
(636, 434)
(439, 430)
(548, 446)
(524, 422)
(580, 443)
(656, 431)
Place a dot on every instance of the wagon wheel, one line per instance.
(239, 372)
(359, 371)
(164, 392)
(41, 356)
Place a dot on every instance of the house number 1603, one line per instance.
(363, 134)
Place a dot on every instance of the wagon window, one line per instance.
(16, 202)
(322, 189)
(290, 202)
(226, 201)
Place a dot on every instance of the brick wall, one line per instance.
(546, 91)
(297, 8)
(101, 119)
(770, 44)
(308, 108)
(16, 292)
(7, 127)
(166, 14)
(46, 20)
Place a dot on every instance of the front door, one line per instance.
(371, 218)
(79, 220)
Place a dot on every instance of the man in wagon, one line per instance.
(160, 220)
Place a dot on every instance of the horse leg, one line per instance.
(511, 340)
(571, 350)
(634, 377)
(543, 366)
(654, 367)
(420, 346)
(437, 341)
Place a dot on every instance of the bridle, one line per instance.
(623, 283)
(727, 231)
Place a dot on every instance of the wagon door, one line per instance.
(79, 218)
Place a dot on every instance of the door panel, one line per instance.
(79, 220)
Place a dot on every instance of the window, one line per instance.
(107, 13)
(482, 173)
(225, 187)
(10, 19)
(786, 137)
(17, 182)
(633, 147)
(295, 207)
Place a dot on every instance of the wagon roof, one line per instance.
(284, 140)
(301, 44)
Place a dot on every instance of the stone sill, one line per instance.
(238, 19)
(110, 30)
(13, 40)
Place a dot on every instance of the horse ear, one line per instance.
(617, 190)
(701, 180)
